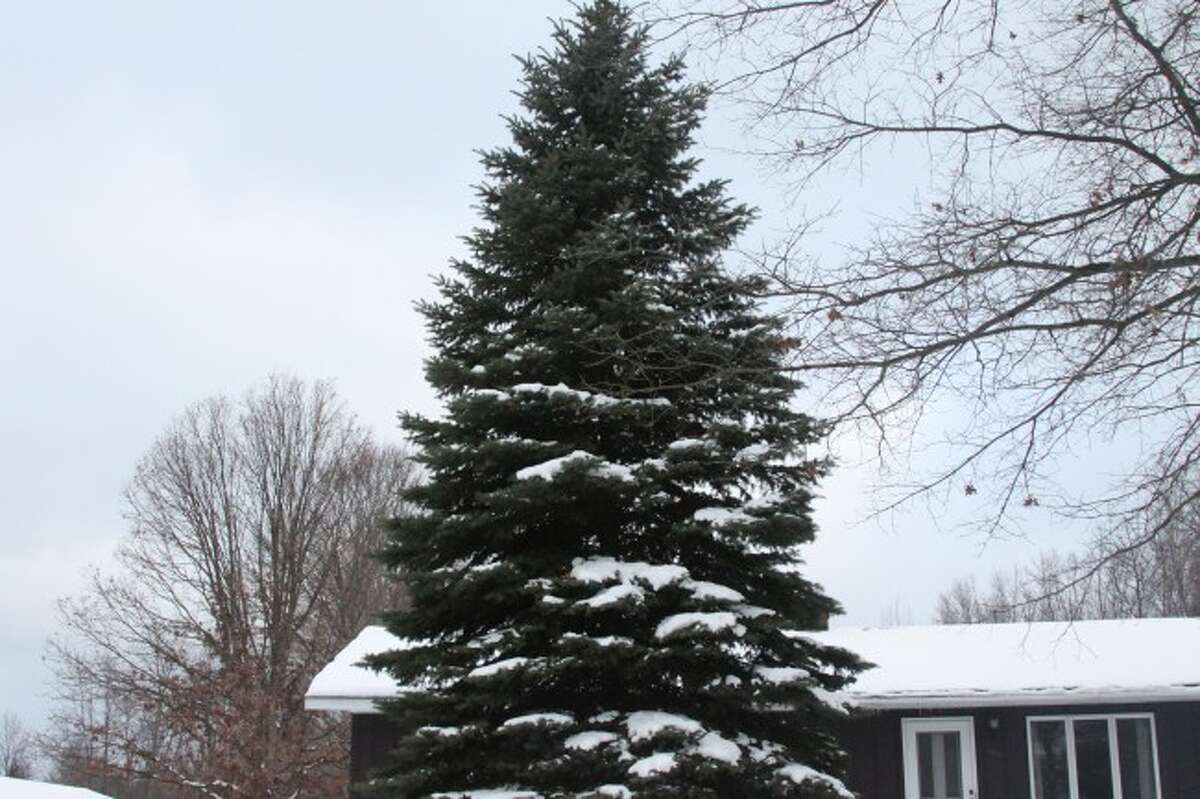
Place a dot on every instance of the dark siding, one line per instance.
(372, 737)
(891, 758)
(1178, 728)
(1002, 757)
(876, 751)
(872, 766)
(993, 740)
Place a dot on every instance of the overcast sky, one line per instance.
(197, 195)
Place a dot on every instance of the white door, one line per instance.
(939, 758)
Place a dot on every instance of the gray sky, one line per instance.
(197, 195)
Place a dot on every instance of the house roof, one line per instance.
(980, 665)
(1041, 663)
(29, 789)
(345, 685)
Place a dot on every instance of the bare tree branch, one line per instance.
(1048, 289)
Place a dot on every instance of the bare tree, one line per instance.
(1045, 590)
(1048, 287)
(961, 604)
(897, 614)
(16, 748)
(1156, 580)
(248, 564)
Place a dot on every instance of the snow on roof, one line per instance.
(1041, 663)
(29, 789)
(979, 665)
(346, 685)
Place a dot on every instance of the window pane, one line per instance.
(953, 765)
(1136, 755)
(1093, 760)
(939, 765)
(925, 763)
(1048, 742)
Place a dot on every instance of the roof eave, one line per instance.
(343, 704)
(1032, 698)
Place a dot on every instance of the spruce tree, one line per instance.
(605, 596)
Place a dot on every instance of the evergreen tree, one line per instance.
(604, 586)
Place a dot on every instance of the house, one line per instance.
(1085, 710)
(1048, 710)
(30, 789)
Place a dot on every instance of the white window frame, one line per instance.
(1113, 749)
(964, 725)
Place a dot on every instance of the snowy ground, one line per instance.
(29, 789)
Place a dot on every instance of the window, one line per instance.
(1093, 757)
(939, 758)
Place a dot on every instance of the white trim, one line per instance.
(1113, 748)
(1114, 762)
(1050, 697)
(947, 701)
(964, 726)
(1029, 759)
(343, 704)
(1158, 794)
(1072, 758)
